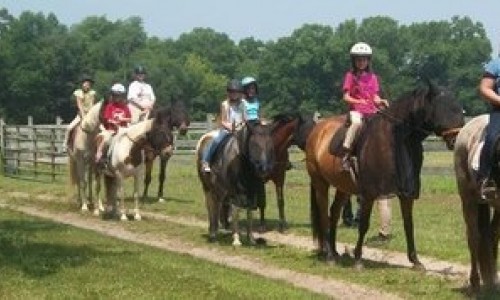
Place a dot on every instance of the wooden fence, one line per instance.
(34, 150)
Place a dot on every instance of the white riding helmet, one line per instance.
(247, 81)
(118, 89)
(361, 49)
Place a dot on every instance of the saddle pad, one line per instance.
(474, 156)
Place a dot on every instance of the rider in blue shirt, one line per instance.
(489, 88)
(251, 91)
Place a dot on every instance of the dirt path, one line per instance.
(433, 266)
(329, 287)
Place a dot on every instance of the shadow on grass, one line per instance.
(19, 249)
(154, 200)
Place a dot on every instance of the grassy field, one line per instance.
(439, 226)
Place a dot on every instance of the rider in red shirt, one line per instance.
(115, 114)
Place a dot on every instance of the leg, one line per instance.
(282, 226)
(407, 213)
(356, 122)
(161, 180)
(147, 175)
(210, 148)
(488, 187)
(121, 198)
(364, 224)
(347, 216)
(235, 225)
(70, 127)
(384, 209)
(337, 204)
(250, 237)
(138, 180)
(319, 218)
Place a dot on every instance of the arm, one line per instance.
(350, 100)
(223, 117)
(486, 89)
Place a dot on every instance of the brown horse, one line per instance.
(482, 228)
(177, 118)
(390, 155)
(287, 130)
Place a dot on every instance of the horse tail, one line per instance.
(72, 169)
(487, 262)
(315, 213)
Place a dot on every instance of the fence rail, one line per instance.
(34, 150)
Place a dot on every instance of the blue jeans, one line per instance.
(209, 150)
(492, 132)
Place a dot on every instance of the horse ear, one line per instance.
(432, 86)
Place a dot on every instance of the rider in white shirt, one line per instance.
(140, 93)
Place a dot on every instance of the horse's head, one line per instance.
(179, 116)
(283, 129)
(304, 127)
(256, 144)
(445, 114)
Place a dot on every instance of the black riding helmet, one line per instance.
(86, 77)
(139, 70)
(234, 85)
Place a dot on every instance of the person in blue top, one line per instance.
(251, 92)
(489, 89)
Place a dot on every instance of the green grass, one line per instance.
(41, 259)
(439, 227)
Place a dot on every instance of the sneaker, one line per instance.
(488, 190)
(205, 166)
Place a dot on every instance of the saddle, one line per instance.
(336, 144)
(218, 148)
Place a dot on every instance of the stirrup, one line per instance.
(488, 190)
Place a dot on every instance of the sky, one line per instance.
(263, 19)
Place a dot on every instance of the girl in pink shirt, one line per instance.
(361, 92)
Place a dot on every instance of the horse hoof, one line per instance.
(161, 200)
(236, 243)
(418, 267)
(123, 217)
(85, 208)
(137, 217)
(96, 212)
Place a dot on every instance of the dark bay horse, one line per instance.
(287, 130)
(390, 156)
(481, 227)
(244, 159)
(176, 117)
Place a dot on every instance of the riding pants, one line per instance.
(492, 132)
(356, 123)
(209, 150)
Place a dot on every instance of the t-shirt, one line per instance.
(141, 93)
(362, 86)
(253, 108)
(492, 69)
(88, 98)
(235, 112)
(114, 110)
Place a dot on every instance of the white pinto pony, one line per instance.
(127, 156)
(81, 160)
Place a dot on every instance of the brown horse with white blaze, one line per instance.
(390, 155)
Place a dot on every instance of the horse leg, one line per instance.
(235, 226)
(320, 221)
(162, 177)
(138, 179)
(121, 198)
(282, 226)
(260, 198)
(98, 179)
(335, 209)
(250, 237)
(82, 185)
(147, 177)
(213, 207)
(407, 213)
(486, 254)
(364, 224)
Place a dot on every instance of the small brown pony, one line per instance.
(395, 134)
(482, 229)
(287, 130)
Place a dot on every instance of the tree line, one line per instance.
(42, 59)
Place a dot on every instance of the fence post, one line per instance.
(209, 122)
(2, 145)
